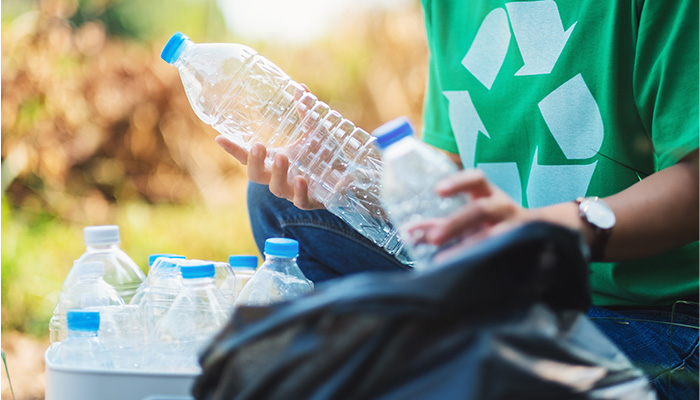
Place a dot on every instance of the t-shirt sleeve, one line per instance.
(437, 130)
(666, 77)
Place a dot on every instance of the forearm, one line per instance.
(657, 214)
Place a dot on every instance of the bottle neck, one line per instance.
(272, 258)
(280, 264)
(81, 334)
(102, 247)
(185, 46)
(198, 282)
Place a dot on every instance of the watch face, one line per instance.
(598, 213)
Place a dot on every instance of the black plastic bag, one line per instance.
(503, 321)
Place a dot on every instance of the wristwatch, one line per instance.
(601, 218)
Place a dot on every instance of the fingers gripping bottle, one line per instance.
(250, 100)
(411, 170)
(278, 278)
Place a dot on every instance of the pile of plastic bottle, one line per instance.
(112, 316)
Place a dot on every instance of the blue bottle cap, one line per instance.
(197, 271)
(171, 51)
(152, 258)
(392, 131)
(282, 247)
(83, 320)
(243, 261)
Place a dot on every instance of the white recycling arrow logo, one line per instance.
(570, 111)
(486, 54)
(540, 35)
(579, 134)
(465, 119)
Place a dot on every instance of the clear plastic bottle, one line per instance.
(123, 333)
(82, 348)
(89, 291)
(250, 100)
(196, 315)
(121, 271)
(163, 285)
(224, 277)
(154, 271)
(411, 170)
(278, 278)
(164, 267)
(244, 267)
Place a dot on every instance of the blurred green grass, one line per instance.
(38, 250)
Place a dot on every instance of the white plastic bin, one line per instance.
(66, 383)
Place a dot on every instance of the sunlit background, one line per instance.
(96, 129)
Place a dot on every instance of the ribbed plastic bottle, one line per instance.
(144, 287)
(164, 267)
(82, 348)
(123, 333)
(89, 291)
(243, 266)
(102, 244)
(250, 100)
(196, 315)
(411, 170)
(163, 285)
(278, 278)
(226, 279)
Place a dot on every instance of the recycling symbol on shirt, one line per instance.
(570, 111)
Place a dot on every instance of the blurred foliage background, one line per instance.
(96, 129)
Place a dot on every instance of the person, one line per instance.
(576, 113)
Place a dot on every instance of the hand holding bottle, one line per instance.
(255, 105)
(276, 176)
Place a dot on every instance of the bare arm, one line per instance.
(655, 215)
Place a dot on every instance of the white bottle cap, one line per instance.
(101, 234)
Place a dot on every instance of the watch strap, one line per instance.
(600, 236)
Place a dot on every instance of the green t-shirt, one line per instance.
(555, 100)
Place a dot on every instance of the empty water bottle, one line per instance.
(162, 287)
(196, 315)
(120, 271)
(244, 267)
(123, 333)
(226, 279)
(278, 278)
(250, 100)
(164, 267)
(411, 170)
(82, 348)
(154, 272)
(89, 291)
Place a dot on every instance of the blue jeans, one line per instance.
(328, 247)
(662, 344)
(661, 341)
